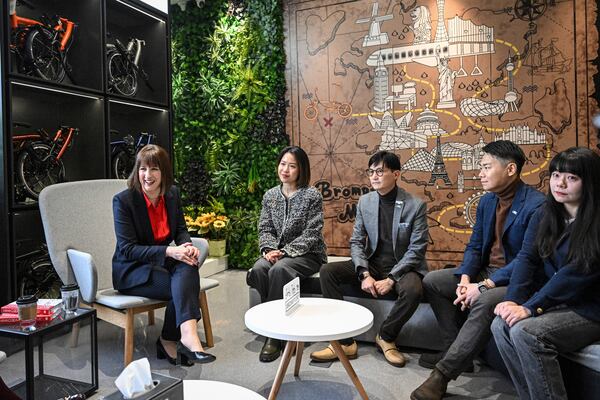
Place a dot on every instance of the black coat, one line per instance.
(136, 252)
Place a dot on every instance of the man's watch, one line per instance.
(482, 288)
(363, 275)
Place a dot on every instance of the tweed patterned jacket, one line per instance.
(295, 225)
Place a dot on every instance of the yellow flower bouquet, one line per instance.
(209, 225)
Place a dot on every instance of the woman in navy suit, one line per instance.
(552, 304)
(148, 216)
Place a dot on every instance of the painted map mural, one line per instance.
(434, 81)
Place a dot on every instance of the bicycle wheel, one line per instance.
(122, 165)
(37, 169)
(43, 55)
(122, 76)
(40, 278)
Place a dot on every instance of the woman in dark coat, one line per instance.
(148, 217)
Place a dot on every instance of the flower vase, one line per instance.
(217, 248)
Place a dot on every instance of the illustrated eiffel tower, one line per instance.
(439, 168)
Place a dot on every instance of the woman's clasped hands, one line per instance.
(185, 252)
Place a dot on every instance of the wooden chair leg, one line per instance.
(150, 317)
(128, 351)
(206, 320)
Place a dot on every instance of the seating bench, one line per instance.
(581, 369)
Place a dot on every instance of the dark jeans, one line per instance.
(464, 333)
(269, 279)
(408, 288)
(177, 283)
(530, 350)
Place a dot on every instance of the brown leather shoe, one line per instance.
(390, 352)
(433, 388)
(327, 354)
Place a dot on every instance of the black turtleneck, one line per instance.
(383, 260)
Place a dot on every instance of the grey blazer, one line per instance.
(409, 237)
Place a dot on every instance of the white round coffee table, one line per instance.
(316, 319)
(193, 390)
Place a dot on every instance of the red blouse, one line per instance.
(158, 219)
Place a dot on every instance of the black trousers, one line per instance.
(269, 279)
(179, 284)
(408, 288)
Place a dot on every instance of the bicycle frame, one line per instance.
(17, 22)
(22, 140)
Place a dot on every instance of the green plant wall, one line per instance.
(229, 109)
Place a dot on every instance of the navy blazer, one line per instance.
(477, 254)
(559, 281)
(136, 252)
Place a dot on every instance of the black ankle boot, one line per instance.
(433, 388)
(271, 350)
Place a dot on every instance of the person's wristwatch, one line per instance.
(482, 288)
(363, 275)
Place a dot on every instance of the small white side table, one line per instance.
(193, 390)
(317, 319)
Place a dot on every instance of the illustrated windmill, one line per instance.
(375, 37)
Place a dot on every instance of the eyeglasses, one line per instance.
(378, 171)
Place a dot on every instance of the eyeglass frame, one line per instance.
(378, 172)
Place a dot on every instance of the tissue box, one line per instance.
(167, 389)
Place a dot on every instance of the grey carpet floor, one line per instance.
(237, 350)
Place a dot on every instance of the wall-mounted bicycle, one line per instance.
(123, 65)
(38, 159)
(123, 152)
(41, 47)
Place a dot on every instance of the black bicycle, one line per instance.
(123, 65)
(123, 152)
(36, 275)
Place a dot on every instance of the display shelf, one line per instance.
(81, 100)
(125, 21)
(85, 55)
(49, 109)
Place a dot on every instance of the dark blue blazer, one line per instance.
(559, 281)
(477, 254)
(136, 252)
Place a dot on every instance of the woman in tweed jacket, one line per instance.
(290, 234)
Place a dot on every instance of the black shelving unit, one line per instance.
(82, 100)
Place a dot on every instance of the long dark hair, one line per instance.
(302, 162)
(584, 246)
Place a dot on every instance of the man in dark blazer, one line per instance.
(463, 299)
(388, 247)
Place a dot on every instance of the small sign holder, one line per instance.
(291, 296)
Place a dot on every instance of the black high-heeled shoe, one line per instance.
(162, 354)
(198, 357)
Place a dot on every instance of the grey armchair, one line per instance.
(78, 223)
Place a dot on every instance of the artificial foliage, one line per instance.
(229, 109)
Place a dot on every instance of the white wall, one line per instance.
(162, 5)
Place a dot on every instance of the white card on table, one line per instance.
(291, 296)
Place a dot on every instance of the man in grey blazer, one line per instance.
(388, 247)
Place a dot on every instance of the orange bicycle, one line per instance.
(42, 46)
(38, 159)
